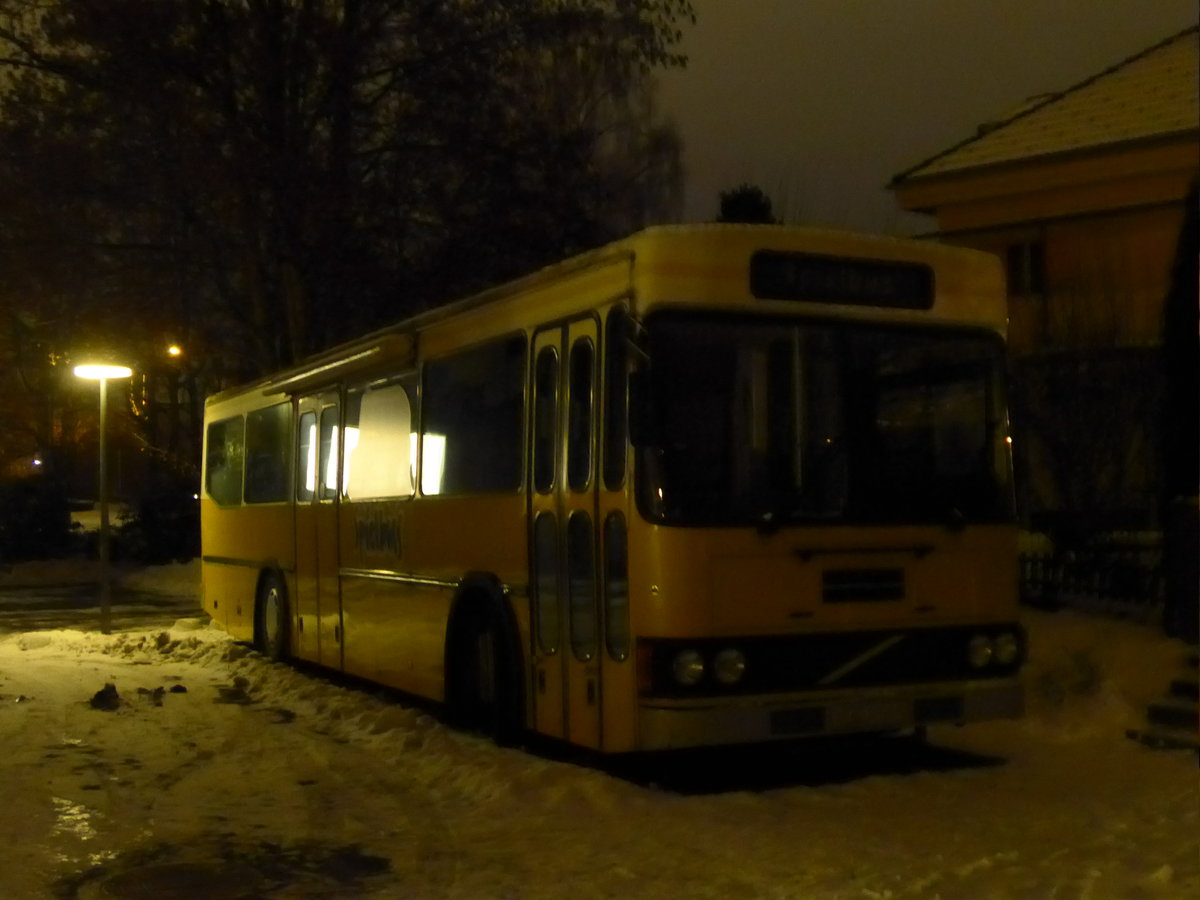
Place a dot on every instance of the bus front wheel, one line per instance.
(274, 623)
(482, 692)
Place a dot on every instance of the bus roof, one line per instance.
(702, 264)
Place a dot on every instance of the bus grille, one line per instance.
(829, 661)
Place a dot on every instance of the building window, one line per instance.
(1026, 269)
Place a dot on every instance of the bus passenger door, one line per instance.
(318, 604)
(563, 534)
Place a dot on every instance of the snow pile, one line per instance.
(1089, 676)
(307, 786)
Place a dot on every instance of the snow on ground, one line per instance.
(245, 778)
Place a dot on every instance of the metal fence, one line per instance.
(1118, 577)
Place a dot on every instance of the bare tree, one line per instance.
(746, 203)
(261, 179)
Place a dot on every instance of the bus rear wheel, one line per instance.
(482, 685)
(273, 633)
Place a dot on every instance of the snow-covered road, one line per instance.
(244, 778)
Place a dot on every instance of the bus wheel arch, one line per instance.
(272, 616)
(483, 674)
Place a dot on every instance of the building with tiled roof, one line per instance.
(1082, 193)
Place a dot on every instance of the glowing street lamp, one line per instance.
(103, 373)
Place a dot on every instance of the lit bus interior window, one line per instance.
(433, 462)
(379, 442)
(306, 484)
(329, 453)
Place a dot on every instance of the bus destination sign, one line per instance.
(775, 275)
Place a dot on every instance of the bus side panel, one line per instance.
(239, 544)
(620, 703)
(396, 627)
(395, 633)
(448, 537)
(223, 584)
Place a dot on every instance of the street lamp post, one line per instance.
(103, 373)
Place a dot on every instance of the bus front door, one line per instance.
(318, 604)
(567, 688)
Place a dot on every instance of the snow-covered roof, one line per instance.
(1152, 94)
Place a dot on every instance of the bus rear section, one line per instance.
(824, 540)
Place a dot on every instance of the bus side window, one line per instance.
(579, 418)
(545, 537)
(377, 456)
(267, 453)
(545, 420)
(223, 465)
(581, 585)
(616, 586)
(306, 467)
(473, 420)
(616, 391)
(327, 486)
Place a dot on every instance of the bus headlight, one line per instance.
(688, 667)
(1006, 648)
(979, 651)
(729, 666)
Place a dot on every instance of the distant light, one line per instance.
(37, 460)
(174, 350)
(1008, 440)
(101, 371)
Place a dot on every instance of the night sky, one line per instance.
(821, 102)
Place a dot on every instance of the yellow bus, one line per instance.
(705, 485)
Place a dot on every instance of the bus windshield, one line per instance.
(769, 422)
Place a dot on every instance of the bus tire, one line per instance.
(482, 683)
(272, 631)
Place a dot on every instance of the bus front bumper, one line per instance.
(670, 723)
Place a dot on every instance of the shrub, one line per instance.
(163, 523)
(35, 519)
